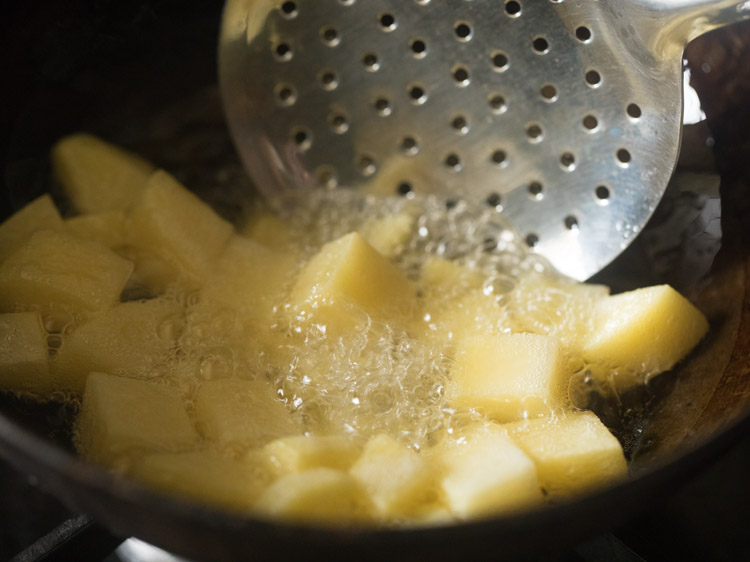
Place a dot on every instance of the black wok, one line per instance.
(142, 74)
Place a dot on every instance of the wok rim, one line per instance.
(77, 481)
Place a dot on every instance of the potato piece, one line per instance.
(23, 354)
(431, 514)
(40, 214)
(486, 473)
(239, 412)
(298, 453)
(388, 234)
(556, 307)
(270, 231)
(507, 376)
(55, 267)
(107, 228)
(642, 332)
(346, 273)
(452, 320)
(396, 478)
(249, 278)
(247, 282)
(174, 223)
(543, 305)
(152, 275)
(449, 278)
(454, 304)
(129, 339)
(572, 455)
(98, 176)
(122, 416)
(319, 495)
(205, 476)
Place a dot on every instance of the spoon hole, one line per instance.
(513, 8)
(536, 190)
(603, 194)
(460, 124)
(590, 123)
(289, 10)
(500, 61)
(534, 132)
(404, 189)
(634, 110)
(495, 201)
(497, 103)
(409, 146)
(583, 34)
(453, 162)
(461, 75)
(593, 78)
(549, 93)
(418, 48)
(540, 45)
(623, 156)
(463, 30)
(387, 21)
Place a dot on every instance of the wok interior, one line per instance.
(145, 78)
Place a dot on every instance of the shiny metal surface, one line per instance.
(563, 115)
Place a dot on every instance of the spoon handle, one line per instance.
(668, 25)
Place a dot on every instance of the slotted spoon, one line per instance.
(563, 115)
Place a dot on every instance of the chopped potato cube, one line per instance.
(543, 305)
(642, 332)
(449, 277)
(297, 453)
(349, 272)
(453, 320)
(507, 376)
(152, 275)
(388, 234)
(122, 416)
(454, 304)
(248, 277)
(572, 455)
(174, 223)
(246, 285)
(431, 514)
(98, 176)
(129, 339)
(241, 412)
(556, 307)
(205, 476)
(319, 495)
(486, 473)
(23, 354)
(55, 267)
(107, 228)
(40, 214)
(396, 478)
(270, 231)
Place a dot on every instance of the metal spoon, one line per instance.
(563, 115)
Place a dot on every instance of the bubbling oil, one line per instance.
(379, 378)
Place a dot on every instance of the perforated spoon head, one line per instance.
(564, 116)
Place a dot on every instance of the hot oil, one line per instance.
(383, 378)
(380, 377)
